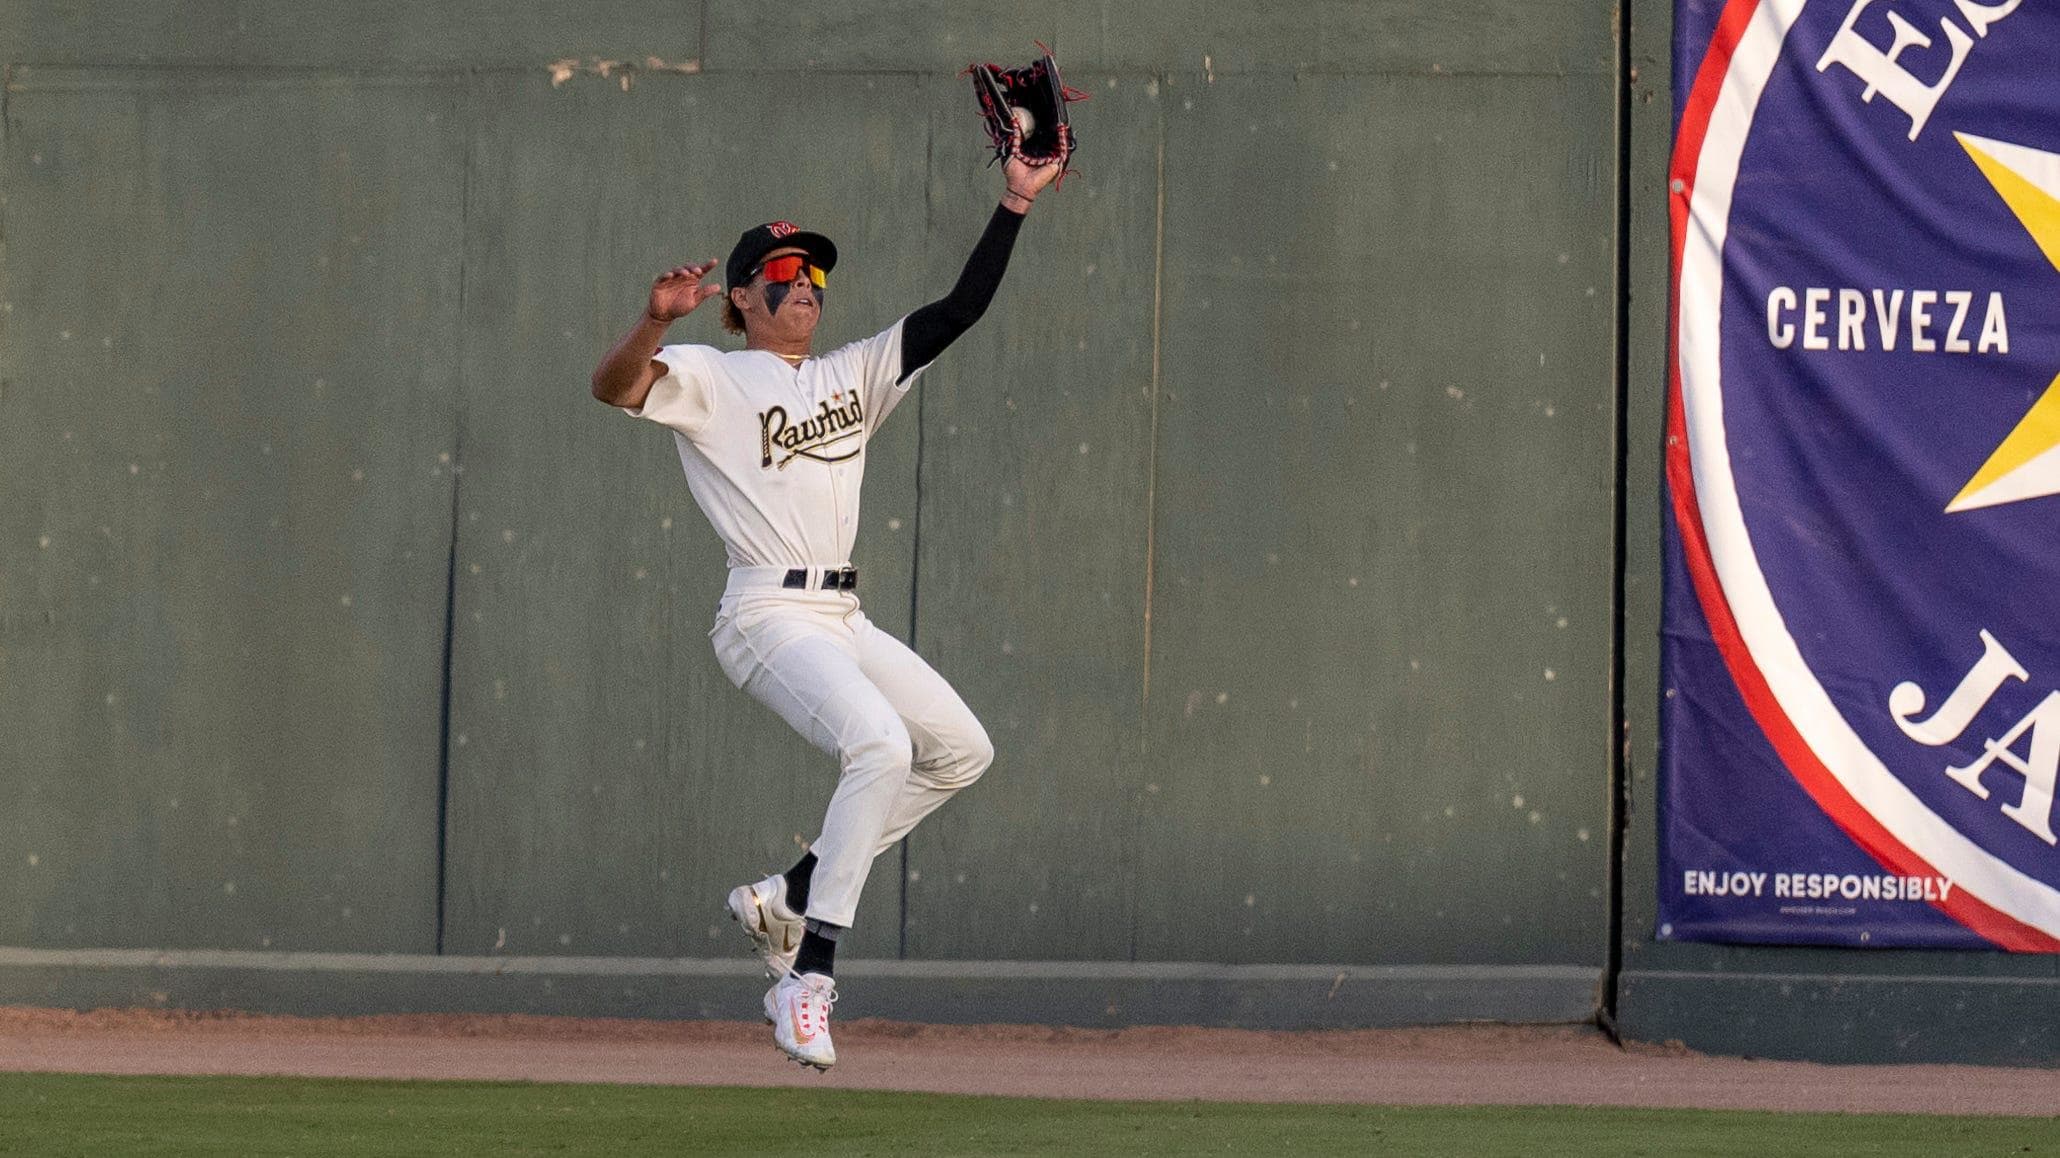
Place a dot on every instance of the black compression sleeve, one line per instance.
(935, 326)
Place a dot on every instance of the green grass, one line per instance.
(58, 1114)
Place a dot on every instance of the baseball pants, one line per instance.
(904, 740)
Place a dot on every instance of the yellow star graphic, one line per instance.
(2027, 464)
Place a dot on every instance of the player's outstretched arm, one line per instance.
(627, 371)
(933, 327)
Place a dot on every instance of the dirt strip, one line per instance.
(1470, 1065)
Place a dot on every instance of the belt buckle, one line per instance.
(840, 578)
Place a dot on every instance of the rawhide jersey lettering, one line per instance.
(775, 453)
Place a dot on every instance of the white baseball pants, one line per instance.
(904, 740)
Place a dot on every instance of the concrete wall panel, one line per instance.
(1380, 621)
(225, 426)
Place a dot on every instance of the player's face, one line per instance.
(784, 299)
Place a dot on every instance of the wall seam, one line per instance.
(1151, 485)
(915, 570)
(450, 596)
(1619, 740)
(1151, 488)
(386, 69)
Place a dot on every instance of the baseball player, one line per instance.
(773, 439)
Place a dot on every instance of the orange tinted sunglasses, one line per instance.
(781, 270)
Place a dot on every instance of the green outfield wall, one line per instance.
(1291, 520)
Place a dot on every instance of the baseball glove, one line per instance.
(1024, 110)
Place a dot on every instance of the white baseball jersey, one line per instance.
(775, 453)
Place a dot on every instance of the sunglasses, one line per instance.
(781, 270)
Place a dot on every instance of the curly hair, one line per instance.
(732, 318)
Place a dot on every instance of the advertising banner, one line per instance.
(1861, 722)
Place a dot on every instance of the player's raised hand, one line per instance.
(1028, 178)
(678, 291)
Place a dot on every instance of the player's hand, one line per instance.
(1027, 180)
(678, 291)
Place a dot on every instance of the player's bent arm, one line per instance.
(933, 327)
(629, 370)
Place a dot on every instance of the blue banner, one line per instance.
(1861, 723)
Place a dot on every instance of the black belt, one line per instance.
(834, 579)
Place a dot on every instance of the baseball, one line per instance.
(1024, 121)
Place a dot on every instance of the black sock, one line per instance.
(797, 882)
(818, 952)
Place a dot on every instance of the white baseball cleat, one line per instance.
(799, 1008)
(774, 929)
